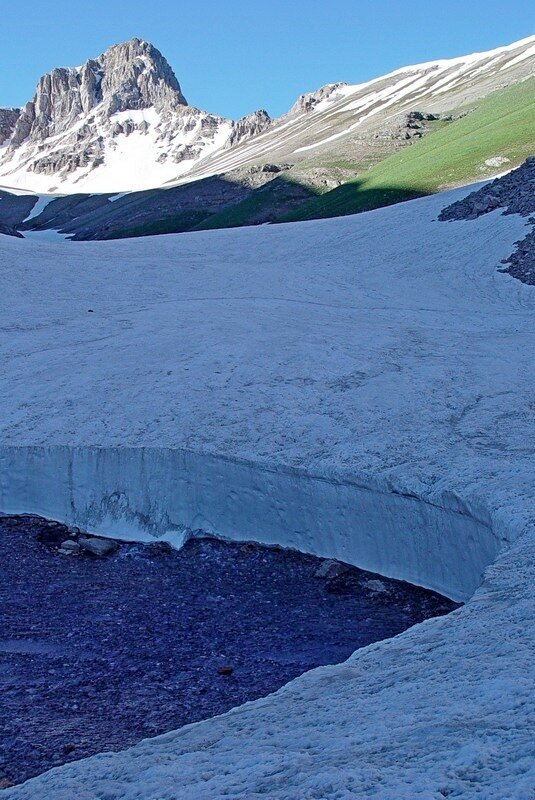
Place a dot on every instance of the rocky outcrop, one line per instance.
(8, 120)
(307, 102)
(515, 193)
(248, 126)
(129, 76)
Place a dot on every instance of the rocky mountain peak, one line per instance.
(248, 126)
(136, 75)
(129, 76)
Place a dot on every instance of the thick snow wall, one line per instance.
(147, 493)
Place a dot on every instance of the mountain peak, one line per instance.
(139, 76)
(120, 121)
(129, 76)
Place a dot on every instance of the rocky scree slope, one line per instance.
(515, 193)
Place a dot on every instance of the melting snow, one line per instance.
(358, 386)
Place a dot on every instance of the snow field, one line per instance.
(360, 387)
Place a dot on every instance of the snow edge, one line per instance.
(148, 494)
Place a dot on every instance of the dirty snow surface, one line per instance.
(360, 388)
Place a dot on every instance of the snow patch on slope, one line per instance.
(41, 204)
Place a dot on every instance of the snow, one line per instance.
(41, 204)
(48, 235)
(130, 160)
(357, 387)
(464, 63)
(118, 196)
(529, 53)
(149, 115)
(331, 138)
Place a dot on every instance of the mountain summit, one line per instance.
(128, 76)
(81, 117)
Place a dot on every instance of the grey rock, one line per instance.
(308, 102)
(8, 120)
(129, 76)
(69, 548)
(251, 125)
(376, 587)
(331, 569)
(96, 546)
(515, 193)
(422, 116)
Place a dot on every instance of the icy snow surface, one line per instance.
(360, 387)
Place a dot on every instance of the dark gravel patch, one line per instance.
(97, 653)
(515, 193)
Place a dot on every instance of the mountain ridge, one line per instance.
(140, 161)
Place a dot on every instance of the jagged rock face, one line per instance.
(8, 119)
(135, 75)
(248, 126)
(128, 76)
(82, 118)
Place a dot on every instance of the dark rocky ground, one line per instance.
(515, 193)
(98, 652)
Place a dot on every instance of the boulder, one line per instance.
(96, 546)
(331, 569)
(69, 548)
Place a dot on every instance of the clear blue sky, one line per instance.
(233, 56)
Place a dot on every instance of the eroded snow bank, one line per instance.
(141, 493)
(365, 385)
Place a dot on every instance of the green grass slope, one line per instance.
(501, 126)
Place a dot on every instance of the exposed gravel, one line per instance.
(515, 192)
(98, 652)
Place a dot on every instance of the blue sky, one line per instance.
(234, 56)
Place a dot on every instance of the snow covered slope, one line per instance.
(337, 117)
(87, 126)
(359, 387)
